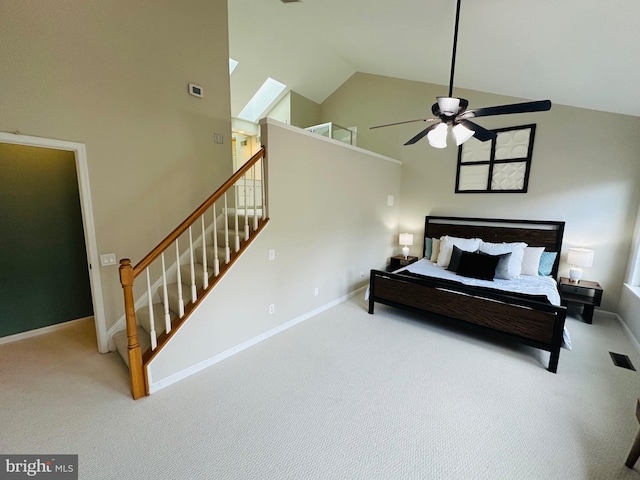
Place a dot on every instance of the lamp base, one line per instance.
(575, 274)
(405, 251)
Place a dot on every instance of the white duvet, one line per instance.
(528, 284)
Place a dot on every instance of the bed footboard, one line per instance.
(527, 321)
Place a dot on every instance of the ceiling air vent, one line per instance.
(290, 1)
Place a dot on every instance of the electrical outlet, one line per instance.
(316, 292)
(272, 309)
(272, 254)
(390, 200)
(218, 138)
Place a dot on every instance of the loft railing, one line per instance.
(223, 226)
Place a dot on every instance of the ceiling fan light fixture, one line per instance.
(461, 133)
(438, 136)
(448, 105)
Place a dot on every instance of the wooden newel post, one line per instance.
(138, 388)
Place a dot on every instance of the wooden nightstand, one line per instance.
(584, 292)
(398, 261)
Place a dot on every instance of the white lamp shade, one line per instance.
(580, 257)
(461, 133)
(438, 136)
(448, 105)
(406, 239)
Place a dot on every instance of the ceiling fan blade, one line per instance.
(422, 134)
(406, 121)
(526, 107)
(480, 133)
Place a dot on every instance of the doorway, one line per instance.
(48, 237)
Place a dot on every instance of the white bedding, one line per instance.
(528, 284)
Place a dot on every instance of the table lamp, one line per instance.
(406, 239)
(577, 258)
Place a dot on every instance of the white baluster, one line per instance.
(180, 294)
(237, 239)
(194, 290)
(262, 189)
(216, 261)
(255, 199)
(227, 251)
(165, 294)
(246, 202)
(205, 274)
(152, 323)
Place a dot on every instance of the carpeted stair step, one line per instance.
(142, 315)
(185, 271)
(211, 254)
(122, 343)
(232, 234)
(172, 295)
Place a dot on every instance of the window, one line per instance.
(266, 95)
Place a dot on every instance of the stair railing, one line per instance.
(242, 200)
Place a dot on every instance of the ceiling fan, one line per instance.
(452, 112)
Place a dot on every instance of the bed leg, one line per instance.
(371, 302)
(553, 360)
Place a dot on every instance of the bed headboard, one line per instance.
(536, 233)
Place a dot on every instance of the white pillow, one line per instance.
(446, 247)
(517, 253)
(531, 260)
(435, 250)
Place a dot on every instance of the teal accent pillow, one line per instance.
(428, 247)
(547, 259)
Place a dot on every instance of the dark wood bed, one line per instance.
(525, 319)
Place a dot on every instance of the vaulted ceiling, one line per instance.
(581, 53)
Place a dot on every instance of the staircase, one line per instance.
(213, 238)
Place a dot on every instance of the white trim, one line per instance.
(302, 131)
(87, 220)
(176, 377)
(630, 336)
(41, 331)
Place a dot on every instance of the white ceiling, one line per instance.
(581, 53)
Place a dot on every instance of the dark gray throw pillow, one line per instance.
(477, 265)
(502, 269)
(455, 259)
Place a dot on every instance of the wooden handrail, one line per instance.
(164, 244)
(139, 380)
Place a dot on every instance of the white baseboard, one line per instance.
(176, 377)
(43, 330)
(629, 333)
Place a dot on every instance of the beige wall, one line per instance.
(585, 168)
(304, 112)
(329, 223)
(113, 75)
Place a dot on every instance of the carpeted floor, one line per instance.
(344, 395)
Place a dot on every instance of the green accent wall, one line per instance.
(44, 275)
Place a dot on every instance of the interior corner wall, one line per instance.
(304, 112)
(585, 168)
(329, 226)
(281, 111)
(113, 75)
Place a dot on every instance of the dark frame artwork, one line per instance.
(501, 165)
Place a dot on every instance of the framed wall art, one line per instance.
(501, 165)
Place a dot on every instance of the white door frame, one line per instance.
(87, 220)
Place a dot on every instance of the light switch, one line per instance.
(108, 259)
